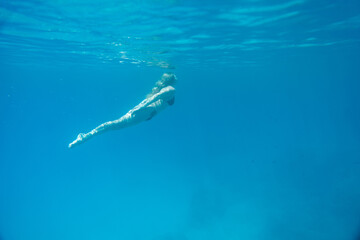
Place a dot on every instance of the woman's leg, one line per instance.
(131, 118)
(122, 122)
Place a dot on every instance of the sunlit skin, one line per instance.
(162, 96)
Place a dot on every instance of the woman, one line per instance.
(161, 96)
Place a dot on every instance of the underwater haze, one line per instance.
(262, 142)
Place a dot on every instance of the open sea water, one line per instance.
(262, 143)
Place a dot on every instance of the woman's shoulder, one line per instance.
(167, 89)
(164, 93)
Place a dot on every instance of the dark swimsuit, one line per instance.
(153, 113)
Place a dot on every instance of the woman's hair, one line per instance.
(167, 79)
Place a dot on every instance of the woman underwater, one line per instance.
(161, 96)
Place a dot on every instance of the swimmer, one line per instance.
(161, 96)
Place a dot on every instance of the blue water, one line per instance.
(263, 141)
